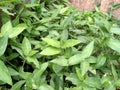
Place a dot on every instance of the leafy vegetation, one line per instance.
(51, 46)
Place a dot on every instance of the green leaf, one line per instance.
(89, 88)
(84, 67)
(101, 25)
(50, 51)
(115, 30)
(60, 61)
(38, 72)
(17, 30)
(45, 87)
(4, 74)
(70, 43)
(111, 87)
(13, 72)
(93, 82)
(32, 52)
(79, 73)
(52, 42)
(24, 75)
(33, 60)
(114, 72)
(106, 80)
(73, 78)
(18, 85)
(26, 46)
(3, 44)
(114, 44)
(57, 68)
(6, 2)
(6, 10)
(63, 10)
(76, 88)
(117, 83)
(31, 5)
(87, 51)
(64, 34)
(100, 61)
(76, 59)
(68, 20)
(18, 50)
(6, 29)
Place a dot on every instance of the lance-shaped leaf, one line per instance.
(84, 67)
(45, 87)
(50, 51)
(60, 61)
(17, 30)
(4, 74)
(70, 43)
(87, 51)
(33, 60)
(52, 42)
(93, 82)
(26, 46)
(38, 72)
(3, 44)
(115, 30)
(114, 44)
(6, 29)
(18, 85)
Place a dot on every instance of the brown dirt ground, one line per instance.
(105, 5)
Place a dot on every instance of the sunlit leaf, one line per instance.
(79, 73)
(63, 10)
(67, 20)
(115, 30)
(45, 87)
(57, 68)
(52, 42)
(88, 88)
(76, 59)
(73, 78)
(114, 72)
(70, 43)
(3, 44)
(111, 87)
(114, 44)
(100, 61)
(6, 28)
(87, 51)
(13, 72)
(50, 51)
(26, 46)
(17, 30)
(60, 61)
(38, 72)
(4, 74)
(6, 9)
(93, 82)
(17, 85)
(84, 67)
(117, 83)
(64, 34)
(6, 2)
(33, 60)
(76, 88)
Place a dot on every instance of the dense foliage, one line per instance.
(49, 45)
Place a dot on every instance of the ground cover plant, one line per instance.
(48, 45)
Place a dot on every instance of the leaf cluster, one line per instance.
(48, 45)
